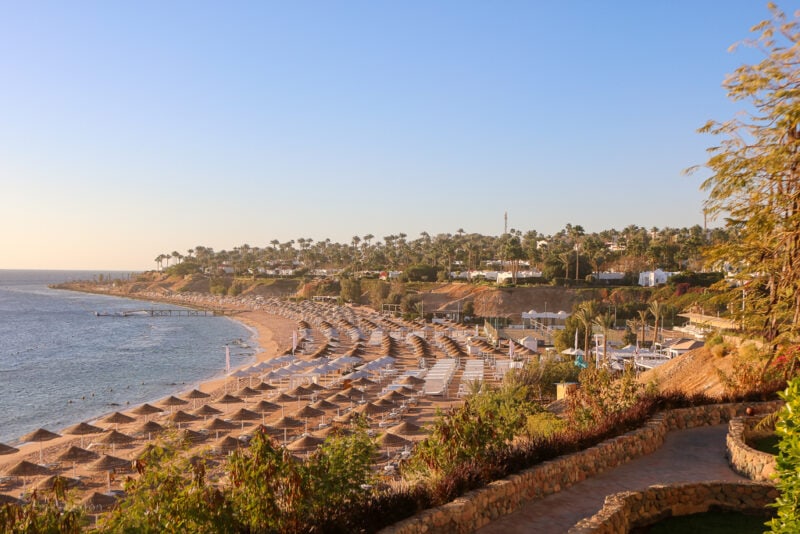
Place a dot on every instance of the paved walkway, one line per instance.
(691, 455)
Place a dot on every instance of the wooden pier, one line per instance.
(167, 312)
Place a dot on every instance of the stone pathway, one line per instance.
(691, 455)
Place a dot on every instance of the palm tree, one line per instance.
(643, 322)
(586, 313)
(656, 309)
(606, 322)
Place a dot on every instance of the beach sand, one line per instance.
(274, 336)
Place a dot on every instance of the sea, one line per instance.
(67, 357)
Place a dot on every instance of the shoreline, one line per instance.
(263, 327)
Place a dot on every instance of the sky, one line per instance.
(131, 129)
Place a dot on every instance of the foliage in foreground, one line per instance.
(269, 491)
(788, 462)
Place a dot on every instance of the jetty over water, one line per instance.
(169, 312)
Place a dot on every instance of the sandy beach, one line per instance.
(274, 336)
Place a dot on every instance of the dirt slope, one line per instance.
(693, 372)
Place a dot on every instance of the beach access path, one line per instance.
(690, 455)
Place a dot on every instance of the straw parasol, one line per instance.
(315, 387)
(339, 398)
(263, 386)
(331, 430)
(47, 484)
(300, 391)
(25, 469)
(370, 408)
(244, 414)
(227, 444)
(392, 440)
(83, 429)
(228, 399)
(406, 428)
(323, 404)
(146, 409)
(307, 411)
(97, 502)
(247, 391)
(283, 398)
(394, 396)
(194, 395)
(206, 410)
(173, 401)
(384, 403)
(8, 499)
(114, 438)
(263, 407)
(305, 443)
(41, 435)
(191, 436)
(285, 423)
(76, 454)
(7, 449)
(149, 428)
(363, 381)
(117, 418)
(411, 381)
(218, 424)
(182, 417)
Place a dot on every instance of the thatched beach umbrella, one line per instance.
(314, 387)
(108, 464)
(117, 419)
(392, 440)
(97, 502)
(83, 429)
(263, 386)
(331, 430)
(149, 428)
(300, 391)
(307, 411)
(146, 410)
(247, 391)
(363, 382)
(369, 409)
(285, 423)
(228, 399)
(339, 398)
(190, 436)
(228, 444)
(283, 398)
(206, 410)
(172, 401)
(8, 499)
(194, 395)
(406, 428)
(394, 395)
(47, 484)
(7, 449)
(243, 414)
(114, 438)
(182, 417)
(25, 468)
(411, 381)
(76, 454)
(324, 405)
(218, 424)
(383, 403)
(305, 443)
(41, 435)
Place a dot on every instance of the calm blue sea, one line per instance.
(60, 364)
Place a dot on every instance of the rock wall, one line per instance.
(477, 508)
(745, 460)
(629, 509)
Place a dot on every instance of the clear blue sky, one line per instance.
(133, 129)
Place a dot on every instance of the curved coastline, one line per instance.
(261, 339)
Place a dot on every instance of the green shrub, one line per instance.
(788, 462)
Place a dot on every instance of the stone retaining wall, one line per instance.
(479, 507)
(629, 509)
(745, 460)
